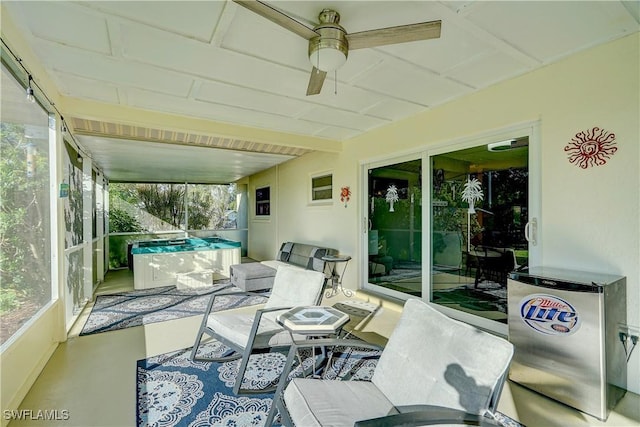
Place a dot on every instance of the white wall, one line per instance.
(590, 218)
(263, 236)
(25, 358)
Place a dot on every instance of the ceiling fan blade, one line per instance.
(394, 35)
(278, 17)
(315, 81)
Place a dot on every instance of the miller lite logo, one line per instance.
(549, 315)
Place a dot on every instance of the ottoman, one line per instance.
(252, 276)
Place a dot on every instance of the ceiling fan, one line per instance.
(329, 43)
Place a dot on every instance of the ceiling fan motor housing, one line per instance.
(330, 49)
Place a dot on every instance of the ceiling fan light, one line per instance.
(330, 49)
(327, 58)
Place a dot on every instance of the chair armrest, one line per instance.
(220, 292)
(232, 293)
(421, 415)
(256, 323)
(267, 310)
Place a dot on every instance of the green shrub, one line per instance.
(122, 222)
(8, 300)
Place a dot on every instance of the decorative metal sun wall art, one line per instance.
(591, 147)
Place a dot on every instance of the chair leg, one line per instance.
(202, 330)
(285, 419)
(278, 401)
(241, 370)
(235, 355)
(196, 345)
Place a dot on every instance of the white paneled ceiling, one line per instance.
(217, 61)
(173, 163)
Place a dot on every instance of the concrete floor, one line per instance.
(94, 377)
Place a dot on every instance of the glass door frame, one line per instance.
(364, 248)
(532, 131)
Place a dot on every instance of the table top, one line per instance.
(489, 253)
(313, 320)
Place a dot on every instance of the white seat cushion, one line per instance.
(313, 402)
(235, 325)
(294, 287)
(433, 359)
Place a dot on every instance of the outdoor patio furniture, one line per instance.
(301, 255)
(430, 359)
(252, 276)
(247, 330)
(493, 264)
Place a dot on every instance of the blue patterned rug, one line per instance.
(172, 390)
(128, 309)
(175, 391)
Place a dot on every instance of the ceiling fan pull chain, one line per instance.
(335, 81)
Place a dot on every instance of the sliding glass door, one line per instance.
(478, 202)
(394, 217)
(479, 211)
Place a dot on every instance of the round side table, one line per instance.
(336, 279)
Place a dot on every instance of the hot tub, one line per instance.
(160, 262)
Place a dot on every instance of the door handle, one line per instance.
(531, 230)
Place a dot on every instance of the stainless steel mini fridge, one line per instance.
(564, 328)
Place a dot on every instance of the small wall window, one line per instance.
(321, 187)
(263, 201)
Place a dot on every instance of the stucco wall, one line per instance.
(590, 218)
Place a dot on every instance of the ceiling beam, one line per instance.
(93, 110)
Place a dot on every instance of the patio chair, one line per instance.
(246, 330)
(494, 264)
(433, 370)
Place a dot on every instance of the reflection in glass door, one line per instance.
(395, 227)
(479, 213)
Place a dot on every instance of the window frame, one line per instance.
(12, 70)
(262, 202)
(312, 189)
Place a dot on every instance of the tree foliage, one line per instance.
(165, 201)
(25, 266)
(121, 221)
(208, 205)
